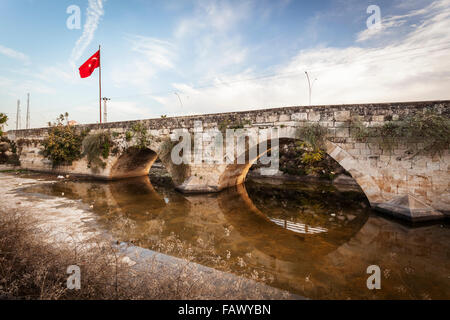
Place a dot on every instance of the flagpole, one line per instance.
(100, 82)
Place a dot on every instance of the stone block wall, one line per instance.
(382, 175)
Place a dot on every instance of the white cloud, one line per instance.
(11, 53)
(94, 13)
(158, 52)
(391, 24)
(414, 66)
(211, 37)
(219, 16)
(55, 74)
(208, 39)
(16, 88)
(151, 56)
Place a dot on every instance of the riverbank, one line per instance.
(42, 235)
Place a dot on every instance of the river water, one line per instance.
(313, 240)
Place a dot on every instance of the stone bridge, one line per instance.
(415, 187)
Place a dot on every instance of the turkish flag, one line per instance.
(90, 65)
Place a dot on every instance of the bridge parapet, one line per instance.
(327, 115)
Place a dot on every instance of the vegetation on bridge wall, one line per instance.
(140, 133)
(310, 152)
(63, 144)
(422, 132)
(8, 152)
(96, 148)
(427, 133)
(66, 144)
(229, 124)
(297, 161)
(8, 148)
(3, 120)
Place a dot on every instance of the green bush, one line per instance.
(13, 160)
(141, 134)
(228, 124)
(128, 136)
(63, 144)
(3, 120)
(7, 146)
(312, 146)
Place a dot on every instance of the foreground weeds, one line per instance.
(32, 267)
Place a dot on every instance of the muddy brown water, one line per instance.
(311, 240)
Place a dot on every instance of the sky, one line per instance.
(181, 57)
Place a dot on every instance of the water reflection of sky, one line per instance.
(297, 227)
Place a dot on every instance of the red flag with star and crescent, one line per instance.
(90, 65)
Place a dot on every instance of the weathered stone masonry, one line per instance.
(383, 176)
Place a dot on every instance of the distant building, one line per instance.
(72, 123)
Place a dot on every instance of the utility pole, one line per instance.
(18, 115)
(100, 83)
(105, 112)
(28, 111)
(310, 86)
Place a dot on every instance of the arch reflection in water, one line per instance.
(244, 230)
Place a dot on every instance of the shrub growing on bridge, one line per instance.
(3, 119)
(312, 146)
(96, 147)
(423, 133)
(63, 144)
(140, 133)
(8, 152)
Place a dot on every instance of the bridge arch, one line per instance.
(134, 162)
(137, 162)
(235, 174)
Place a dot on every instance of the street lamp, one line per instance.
(105, 113)
(310, 86)
(181, 103)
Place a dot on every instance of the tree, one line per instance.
(63, 144)
(3, 120)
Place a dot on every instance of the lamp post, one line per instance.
(310, 86)
(181, 103)
(105, 112)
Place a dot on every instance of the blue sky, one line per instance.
(218, 55)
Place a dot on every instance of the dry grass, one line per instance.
(32, 268)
